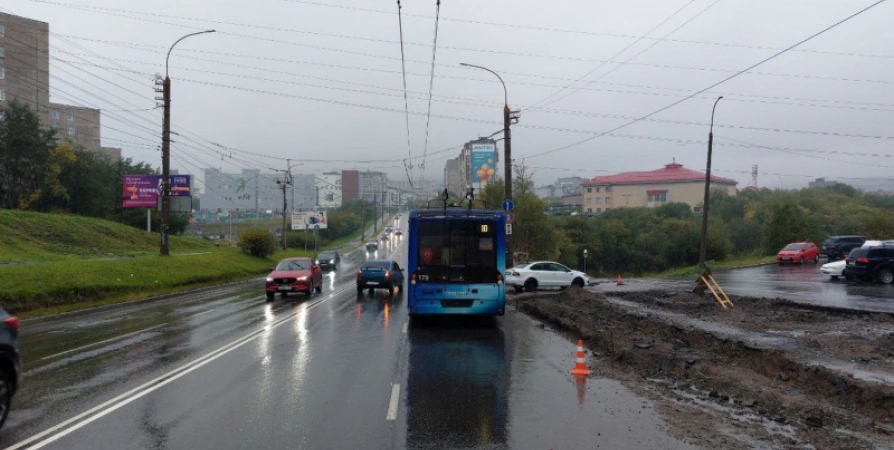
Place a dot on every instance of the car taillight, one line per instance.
(12, 322)
(387, 274)
(413, 279)
(499, 278)
(831, 245)
(862, 261)
(359, 272)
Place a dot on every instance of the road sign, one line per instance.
(508, 228)
(510, 217)
(508, 205)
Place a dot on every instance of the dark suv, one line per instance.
(329, 260)
(871, 263)
(9, 361)
(839, 246)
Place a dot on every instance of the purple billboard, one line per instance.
(141, 191)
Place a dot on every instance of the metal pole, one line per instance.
(703, 248)
(507, 159)
(166, 151)
(284, 215)
(149, 220)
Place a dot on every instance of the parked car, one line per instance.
(10, 369)
(531, 276)
(294, 275)
(380, 274)
(798, 253)
(372, 246)
(839, 246)
(328, 260)
(836, 269)
(871, 263)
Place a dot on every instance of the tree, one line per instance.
(786, 223)
(25, 151)
(878, 225)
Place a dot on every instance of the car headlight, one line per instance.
(317, 262)
(302, 278)
(269, 280)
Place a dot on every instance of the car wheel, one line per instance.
(5, 397)
(310, 289)
(531, 285)
(578, 283)
(400, 287)
(270, 296)
(391, 289)
(359, 289)
(320, 288)
(801, 261)
(885, 276)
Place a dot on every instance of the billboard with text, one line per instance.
(483, 164)
(141, 191)
(308, 220)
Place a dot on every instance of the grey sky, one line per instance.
(285, 126)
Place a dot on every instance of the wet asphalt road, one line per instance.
(798, 283)
(224, 369)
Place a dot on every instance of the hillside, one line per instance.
(29, 236)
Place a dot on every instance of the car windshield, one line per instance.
(377, 265)
(326, 255)
(522, 266)
(794, 247)
(293, 265)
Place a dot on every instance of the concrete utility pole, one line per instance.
(509, 117)
(703, 248)
(286, 181)
(166, 151)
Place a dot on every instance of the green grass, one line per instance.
(37, 237)
(728, 264)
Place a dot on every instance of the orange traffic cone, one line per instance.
(580, 366)
(620, 281)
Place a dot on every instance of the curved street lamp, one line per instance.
(166, 150)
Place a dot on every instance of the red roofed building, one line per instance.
(673, 183)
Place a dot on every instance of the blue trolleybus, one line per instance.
(457, 258)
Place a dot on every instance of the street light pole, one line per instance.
(703, 248)
(166, 151)
(507, 157)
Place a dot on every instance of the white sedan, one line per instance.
(540, 274)
(834, 269)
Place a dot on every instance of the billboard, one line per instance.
(483, 163)
(141, 191)
(307, 220)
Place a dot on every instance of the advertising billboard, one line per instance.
(308, 220)
(141, 191)
(483, 163)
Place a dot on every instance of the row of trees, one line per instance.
(640, 240)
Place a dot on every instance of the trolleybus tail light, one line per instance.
(499, 278)
(413, 279)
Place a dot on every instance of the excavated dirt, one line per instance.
(766, 373)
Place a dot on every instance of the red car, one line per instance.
(798, 253)
(294, 275)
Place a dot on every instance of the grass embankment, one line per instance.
(728, 264)
(57, 263)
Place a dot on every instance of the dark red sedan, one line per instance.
(294, 275)
(798, 253)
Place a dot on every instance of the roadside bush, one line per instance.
(255, 242)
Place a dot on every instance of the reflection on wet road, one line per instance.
(225, 369)
(799, 283)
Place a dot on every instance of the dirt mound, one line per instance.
(772, 382)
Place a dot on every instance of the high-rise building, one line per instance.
(25, 63)
(373, 186)
(76, 124)
(350, 186)
(475, 167)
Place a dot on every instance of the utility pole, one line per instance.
(286, 181)
(166, 151)
(703, 248)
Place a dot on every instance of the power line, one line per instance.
(653, 44)
(431, 83)
(612, 58)
(773, 56)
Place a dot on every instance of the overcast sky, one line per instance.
(276, 80)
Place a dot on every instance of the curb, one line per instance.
(111, 306)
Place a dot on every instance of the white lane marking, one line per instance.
(395, 400)
(406, 325)
(123, 399)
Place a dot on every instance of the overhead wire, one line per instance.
(403, 68)
(712, 86)
(431, 83)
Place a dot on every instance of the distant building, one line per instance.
(78, 125)
(252, 190)
(673, 183)
(821, 183)
(373, 186)
(25, 63)
(350, 186)
(329, 190)
(453, 176)
(476, 166)
(111, 152)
